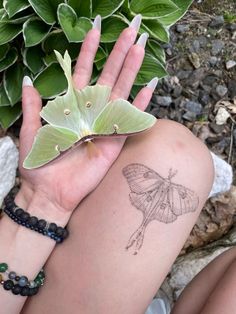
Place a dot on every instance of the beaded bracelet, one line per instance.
(23, 218)
(20, 285)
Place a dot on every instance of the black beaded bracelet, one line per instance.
(20, 285)
(23, 218)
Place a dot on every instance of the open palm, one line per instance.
(66, 181)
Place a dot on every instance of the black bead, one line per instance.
(19, 212)
(17, 278)
(65, 233)
(8, 284)
(60, 231)
(25, 291)
(31, 292)
(16, 289)
(41, 224)
(32, 221)
(35, 290)
(25, 216)
(52, 227)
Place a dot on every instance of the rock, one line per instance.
(231, 27)
(195, 46)
(182, 28)
(182, 75)
(8, 166)
(230, 64)
(196, 77)
(203, 41)
(189, 116)
(232, 88)
(217, 22)
(213, 61)
(210, 80)
(163, 101)
(204, 98)
(221, 90)
(217, 46)
(195, 60)
(193, 106)
(218, 129)
(177, 91)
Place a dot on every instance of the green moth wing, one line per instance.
(121, 118)
(48, 144)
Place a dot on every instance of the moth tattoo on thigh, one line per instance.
(158, 198)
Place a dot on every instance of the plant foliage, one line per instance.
(30, 30)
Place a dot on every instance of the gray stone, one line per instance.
(218, 21)
(177, 91)
(231, 27)
(232, 88)
(196, 45)
(8, 166)
(203, 41)
(221, 90)
(210, 80)
(204, 98)
(230, 64)
(213, 60)
(193, 106)
(182, 28)
(163, 101)
(217, 46)
(190, 116)
(182, 75)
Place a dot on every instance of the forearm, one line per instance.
(26, 251)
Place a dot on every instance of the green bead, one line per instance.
(38, 281)
(3, 267)
(41, 275)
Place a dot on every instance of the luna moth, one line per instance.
(82, 115)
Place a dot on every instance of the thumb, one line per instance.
(31, 107)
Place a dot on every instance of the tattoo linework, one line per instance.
(158, 198)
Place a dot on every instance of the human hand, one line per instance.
(62, 184)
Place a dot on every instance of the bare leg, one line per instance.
(92, 272)
(213, 289)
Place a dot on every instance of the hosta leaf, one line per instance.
(154, 48)
(175, 16)
(150, 68)
(111, 28)
(74, 28)
(81, 7)
(8, 32)
(4, 101)
(46, 9)
(57, 40)
(156, 30)
(33, 59)
(3, 51)
(14, 6)
(152, 8)
(34, 31)
(9, 60)
(8, 115)
(12, 80)
(105, 7)
(100, 58)
(43, 82)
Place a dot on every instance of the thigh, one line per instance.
(126, 234)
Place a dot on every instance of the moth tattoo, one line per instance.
(157, 197)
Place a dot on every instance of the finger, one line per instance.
(116, 59)
(130, 69)
(31, 107)
(144, 96)
(84, 64)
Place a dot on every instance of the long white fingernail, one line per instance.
(136, 22)
(27, 81)
(153, 84)
(142, 40)
(97, 22)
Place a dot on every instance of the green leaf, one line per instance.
(43, 82)
(81, 7)
(154, 48)
(12, 81)
(150, 68)
(152, 8)
(14, 6)
(34, 31)
(156, 30)
(3, 51)
(9, 60)
(74, 28)
(8, 115)
(8, 32)
(33, 59)
(100, 58)
(4, 101)
(57, 40)
(105, 7)
(46, 9)
(111, 28)
(175, 16)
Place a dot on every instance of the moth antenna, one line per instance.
(172, 173)
(92, 150)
